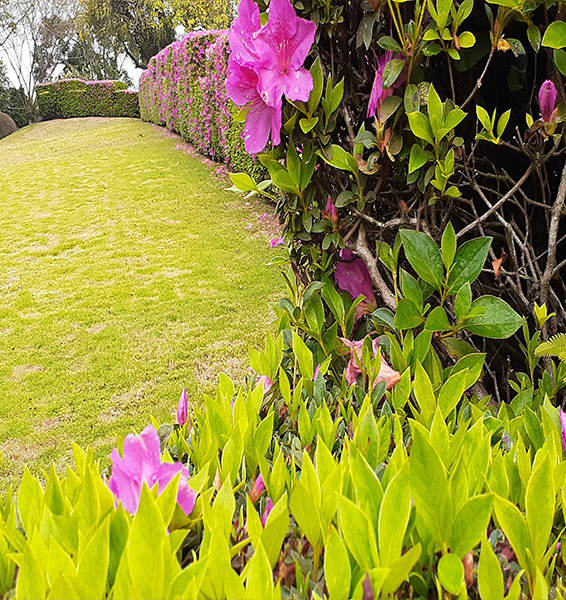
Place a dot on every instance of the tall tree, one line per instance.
(40, 35)
(89, 60)
(206, 14)
(140, 28)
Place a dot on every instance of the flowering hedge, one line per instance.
(183, 88)
(78, 98)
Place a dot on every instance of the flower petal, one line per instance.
(268, 509)
(242, 82)
(273, 84)
(261, 120)
(352, 276)
(241, 35)
(547, 100)
(185, 495)
(387, 374)
(142, 455)
(287, 39)
(125, 487)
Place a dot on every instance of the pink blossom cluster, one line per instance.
(183, 89)
(265, 64)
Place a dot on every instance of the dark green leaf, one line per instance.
(437, 320)
(499, 320)
(389, 106)
(392, 71)
(411, 290)
(412, 98)
(388, 43)
(407, 315)
(463, 301)
(424, 256)
(435, 111)
(560, 60)
(468, 263)
(337, 93)
(316, 94)
(533, 33)
(448, 246)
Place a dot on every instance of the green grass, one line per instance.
(126, 273)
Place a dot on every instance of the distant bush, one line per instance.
(7, 125)
(15, 103)
(78, 98)
(183, 88)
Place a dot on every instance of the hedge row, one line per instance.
(183, 88)
(78, 98)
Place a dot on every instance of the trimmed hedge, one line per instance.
(78, 98)
(183, 88)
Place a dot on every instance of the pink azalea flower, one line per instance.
(284, 43)
(262, 121)
(268, 509)
(352, 276)
(563, 428)
(378, 92)
(547, 100)
(182, 408)
(141, 463)
(386, 373)
(265, 64)
(276, 242)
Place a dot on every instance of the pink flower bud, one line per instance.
(563, 428)
(547, 100)
(268, 509)
(182, 408)
(257, 489)
(316, 372)
(331, 212)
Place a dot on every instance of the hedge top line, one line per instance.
(107, 83)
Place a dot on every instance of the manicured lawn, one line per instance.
(126, 273)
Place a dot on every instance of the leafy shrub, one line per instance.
(17, 105)
(77, 98)
(301, 484)
(411, 123)
(183, 88)
(7, 125)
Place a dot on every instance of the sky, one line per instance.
(133, 72)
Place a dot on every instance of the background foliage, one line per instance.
(184, 89)
(76, 98)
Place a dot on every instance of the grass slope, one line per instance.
(126, 273)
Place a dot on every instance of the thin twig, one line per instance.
(553, 236)
(495, 206)
(479, 81)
